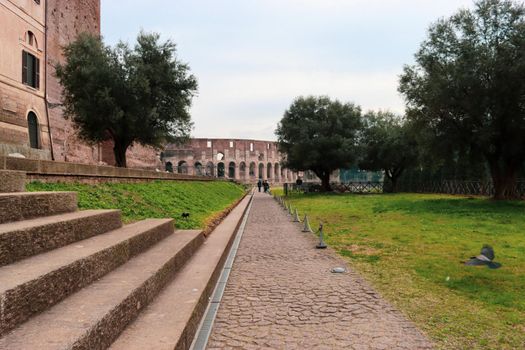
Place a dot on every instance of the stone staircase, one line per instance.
(80, 280)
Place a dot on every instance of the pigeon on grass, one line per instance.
(484, 258)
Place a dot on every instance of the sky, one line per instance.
(252, 58)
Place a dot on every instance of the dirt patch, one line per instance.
(362, 250)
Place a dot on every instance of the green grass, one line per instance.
(158, 199)
(410, 247)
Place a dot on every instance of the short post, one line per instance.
(290, 209)
(322, 244)
(296, 216)
(306, 227)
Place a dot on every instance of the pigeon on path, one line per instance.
(484, 258)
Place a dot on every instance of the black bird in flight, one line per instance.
(486, 257)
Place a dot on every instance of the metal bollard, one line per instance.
(322, 244)
(296, 216)
(306, 227)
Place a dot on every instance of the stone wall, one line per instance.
(65, 20)
(53, 171)
(239, 159)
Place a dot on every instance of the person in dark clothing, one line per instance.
(259, 184)
(266, 185)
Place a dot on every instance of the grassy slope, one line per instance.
(159, 199)
(410, 247)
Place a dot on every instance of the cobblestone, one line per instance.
(282, 295)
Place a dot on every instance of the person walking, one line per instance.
(266, 186)
(259, 184)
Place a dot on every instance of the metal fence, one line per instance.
(462, 187)
(475, 188)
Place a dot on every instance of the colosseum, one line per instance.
(238, 159)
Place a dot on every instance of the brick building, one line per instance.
(242, 160)
(32, 34)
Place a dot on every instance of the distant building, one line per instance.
(32, 34)
(239, 159)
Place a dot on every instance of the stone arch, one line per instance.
(220, 170)
(198, 168)
(276, 172)
(269, 173)
(261, 171)
(33, 130)
(210, 169)
(252, 170)
(220, 156)
(231, 170)
(182, 167)
(242, 170)
(169, 167)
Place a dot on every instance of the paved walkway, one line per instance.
(281, 295)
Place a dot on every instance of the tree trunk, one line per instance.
(504, 179)
(119, 150)
(325, 179)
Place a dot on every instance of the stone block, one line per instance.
(12, 181)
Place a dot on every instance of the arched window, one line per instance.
(231, 170)
(252, 169)
(269, 173)
(169, 167)
(32, 127)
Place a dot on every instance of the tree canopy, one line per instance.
(127, 95)
(320, 135)
(468, 86)
(387, 144)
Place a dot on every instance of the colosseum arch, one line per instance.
(261, 170)
(182, 167)
(231, 170)
(269, 173)
(252, 170)
(169, 167)
(198, 168)
(221, 171)
(276, 172)
(242, 170)
(209, 169)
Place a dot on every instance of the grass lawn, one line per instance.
(159, 199)
(410, 247)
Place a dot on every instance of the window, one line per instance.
(251, 146)
(32, 128)
(30, 70)
(208, 144)
(231, 144)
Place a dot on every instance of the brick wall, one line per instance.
(65, 20)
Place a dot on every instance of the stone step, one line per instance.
(12, 181)
(34, 284)
(93, 317)
(28, 205)
(171, 320)
(22, 239)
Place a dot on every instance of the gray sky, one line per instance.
(253, 57)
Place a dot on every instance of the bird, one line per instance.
(484, 258)
(185, 215)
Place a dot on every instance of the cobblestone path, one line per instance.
(282, 295)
